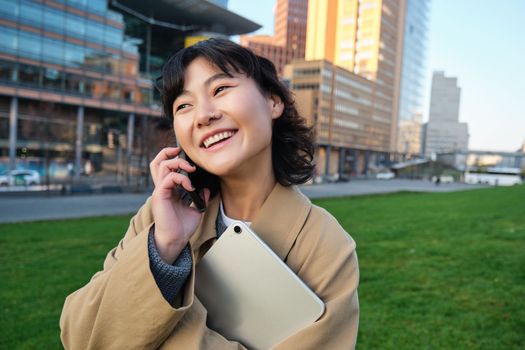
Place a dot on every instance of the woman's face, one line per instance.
(224, 123)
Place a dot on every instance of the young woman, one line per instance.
(238, 124)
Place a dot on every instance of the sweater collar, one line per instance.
(278, 222)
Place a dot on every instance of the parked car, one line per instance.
(20, 178)
(385, 176)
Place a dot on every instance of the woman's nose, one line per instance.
(207, 115)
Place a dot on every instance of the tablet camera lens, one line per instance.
(237, 229)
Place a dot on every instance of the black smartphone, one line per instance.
(200, 179)
(189, 197)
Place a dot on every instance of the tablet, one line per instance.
(250, 294)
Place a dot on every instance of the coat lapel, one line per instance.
(281, 218)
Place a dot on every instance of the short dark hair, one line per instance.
(292, 140)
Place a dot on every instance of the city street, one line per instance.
(28, 208)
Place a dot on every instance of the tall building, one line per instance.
(364, 38)
(444, 133)
(341, 105)
(76, 92)
(289, 39)
(413, 75)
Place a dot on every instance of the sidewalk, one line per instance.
(19, 209)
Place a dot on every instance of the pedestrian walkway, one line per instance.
(19, 209)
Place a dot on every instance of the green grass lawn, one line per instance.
(438, 271)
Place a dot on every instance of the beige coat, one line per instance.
(122, 307)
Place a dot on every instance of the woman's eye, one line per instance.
(181, 106)
(219, 89)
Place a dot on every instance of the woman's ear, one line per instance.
(277, 106)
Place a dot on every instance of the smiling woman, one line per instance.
(241, 134)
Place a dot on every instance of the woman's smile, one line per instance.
(217, 140)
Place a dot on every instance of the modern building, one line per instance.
(413, 77)
(363, 38)
(289, 39)
(443, 133)
(351, 120)
(76, 92)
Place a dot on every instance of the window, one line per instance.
(113, 37)
(9, 9)
(4, 130)
(53, 79)
(52, 50)
(74, 84)
(115, 16)
(53, 20)
(7, 71)
(88, 87)
(114, 92)
(75, 26)
(97, 5)
(31, 13)
(95, 32)
(8, 40)
(29, 75)
(73, 55)
(29, 45)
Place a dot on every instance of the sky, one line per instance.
(480, 42)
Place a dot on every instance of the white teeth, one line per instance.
(217, 137)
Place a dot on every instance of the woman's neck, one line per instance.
(243, 197)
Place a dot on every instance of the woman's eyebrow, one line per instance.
(208, 82)
(215, 77)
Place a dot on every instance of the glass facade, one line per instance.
(69, 49)
(413, 72)
(75, 38)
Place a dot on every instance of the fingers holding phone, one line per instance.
(175, 221)
(164, 155)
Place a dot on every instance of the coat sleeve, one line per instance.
(122, 306)
(324, 257)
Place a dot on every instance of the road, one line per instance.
(29, 208)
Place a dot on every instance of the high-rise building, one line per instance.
(363, 38)
(76, 80)
(413, 76)
(443, 132)
(289, 39)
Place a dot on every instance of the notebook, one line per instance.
(250, 294)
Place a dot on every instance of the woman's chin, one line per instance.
(226, 170)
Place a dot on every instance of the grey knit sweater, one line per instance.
(171, 278)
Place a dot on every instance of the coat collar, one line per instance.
(278, 222)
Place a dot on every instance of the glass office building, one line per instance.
(413, 76)
(76, 94)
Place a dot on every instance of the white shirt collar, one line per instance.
(227, 220)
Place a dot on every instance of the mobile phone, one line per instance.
(189, 197)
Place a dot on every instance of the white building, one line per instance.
(443, 132)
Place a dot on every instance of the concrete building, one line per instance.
(289, 39)
(413, 76)
(443, 133)
(350, 118)
(76, 81)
